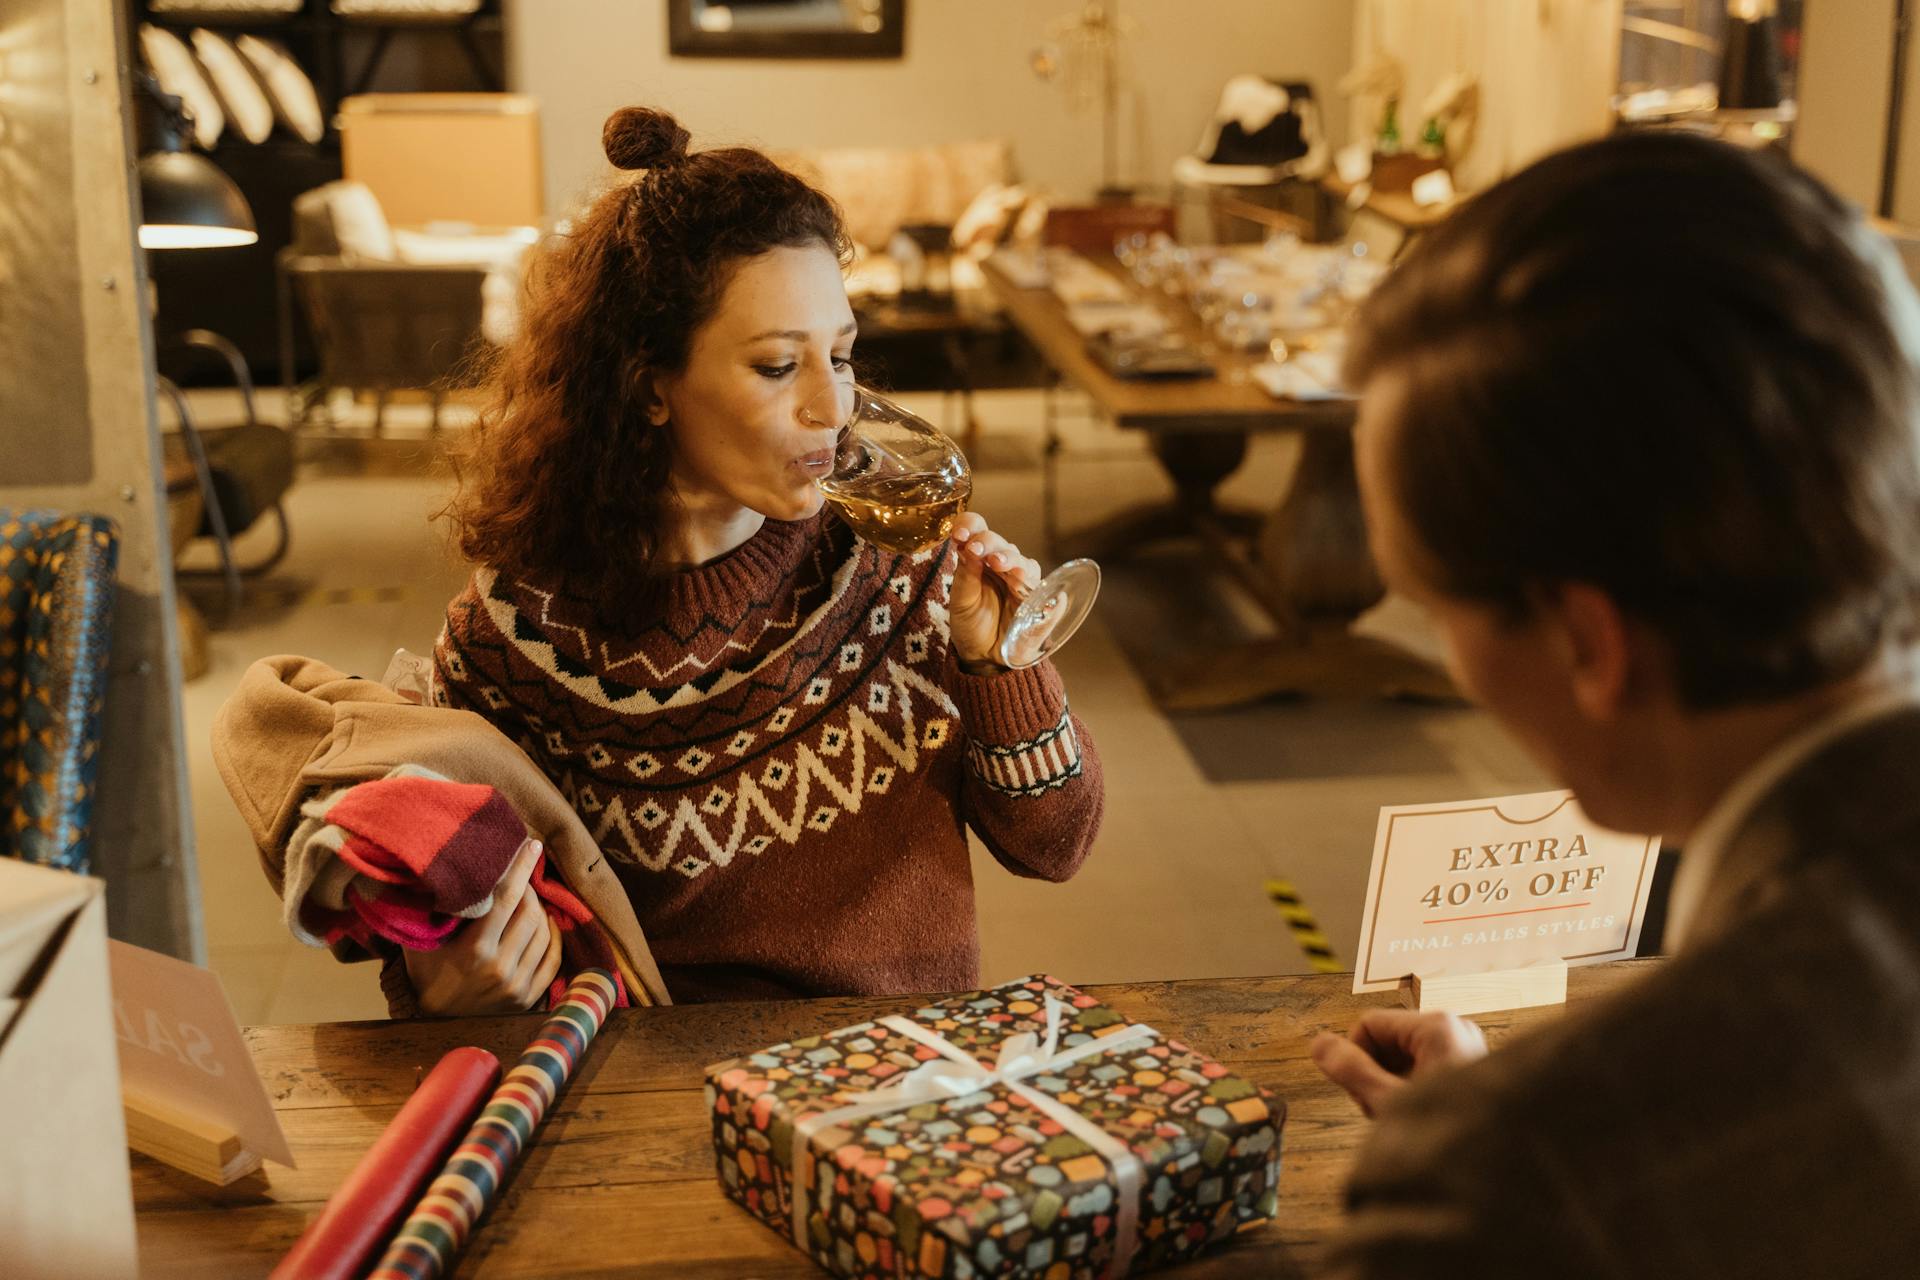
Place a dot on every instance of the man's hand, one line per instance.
(498, 963)
(1388, 1046)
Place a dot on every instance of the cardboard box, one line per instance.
(446, 157)
(67, 1205)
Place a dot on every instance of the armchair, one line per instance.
(390, 308)
(382, 327)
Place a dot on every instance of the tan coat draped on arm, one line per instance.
(295, 727)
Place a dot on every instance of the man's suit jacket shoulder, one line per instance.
(1751, 1109)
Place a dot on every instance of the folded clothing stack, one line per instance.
(405, 859)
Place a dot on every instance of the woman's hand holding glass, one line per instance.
(978, 609)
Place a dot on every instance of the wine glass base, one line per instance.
(1050, 614)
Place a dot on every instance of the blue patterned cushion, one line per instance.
(56, 603)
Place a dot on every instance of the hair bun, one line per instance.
(642, 138)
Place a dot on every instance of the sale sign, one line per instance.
(1475, 886)
(179, 1045)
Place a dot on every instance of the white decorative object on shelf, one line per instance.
(292, 92)
(413, 10)
(173, 65)
(241, 97)
(214, 10)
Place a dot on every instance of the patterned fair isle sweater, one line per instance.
(783, 767)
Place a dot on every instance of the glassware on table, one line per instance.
(1218, 281)
(1245, 326)
(1279, 246)
(1206, 293)
(1174, 277)
(1152, 259)
(900, 483)
(1245, 323)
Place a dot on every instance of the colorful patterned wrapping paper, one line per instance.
(986, 1184)
(429, 1241)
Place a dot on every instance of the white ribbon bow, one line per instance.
(958, 1074)
(1026, 1054)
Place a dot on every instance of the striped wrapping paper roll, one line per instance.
(433, 1236)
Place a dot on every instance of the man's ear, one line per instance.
(1601, 645)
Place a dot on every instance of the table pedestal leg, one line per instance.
(1197, 464)
(1315, 545)
(1309, 567)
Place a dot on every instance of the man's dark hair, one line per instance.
(1670, 368)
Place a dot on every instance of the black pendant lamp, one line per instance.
(185, 201)
(1750, 78)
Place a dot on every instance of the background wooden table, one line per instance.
(621, 1179)
(1305, 560)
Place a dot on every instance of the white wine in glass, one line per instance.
(900, 484)
(899, 513)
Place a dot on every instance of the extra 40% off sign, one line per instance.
(1476, 886)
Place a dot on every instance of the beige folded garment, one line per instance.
(295, 727)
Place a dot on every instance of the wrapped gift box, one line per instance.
(1027, 1130)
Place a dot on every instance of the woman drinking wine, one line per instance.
(778, 733)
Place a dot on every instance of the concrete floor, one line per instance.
(1201, 813)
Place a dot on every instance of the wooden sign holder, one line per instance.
(1535, 984)
(206, 1149)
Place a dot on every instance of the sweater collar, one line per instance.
(745, 575)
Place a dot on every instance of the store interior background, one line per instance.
(1205, 812)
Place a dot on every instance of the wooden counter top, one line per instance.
(621, 1179)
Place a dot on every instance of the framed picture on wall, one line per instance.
(786, 28)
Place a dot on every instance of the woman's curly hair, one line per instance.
(562, 478)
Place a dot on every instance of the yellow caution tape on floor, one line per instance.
(1305, 929)
(309, 597)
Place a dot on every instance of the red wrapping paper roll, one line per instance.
(359, 1217)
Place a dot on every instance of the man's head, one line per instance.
(1639, 428)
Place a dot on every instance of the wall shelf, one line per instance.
(343, 55)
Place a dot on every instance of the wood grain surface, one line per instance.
(621, 1179)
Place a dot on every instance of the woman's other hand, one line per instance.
(498, 963)
(991, 577)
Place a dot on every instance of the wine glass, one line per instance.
(901, 484)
